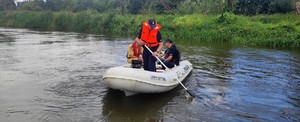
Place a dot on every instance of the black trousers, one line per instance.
(149, 60)
(169, 64)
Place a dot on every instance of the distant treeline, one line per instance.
(195, 20)
(277, 30)
(245, 7)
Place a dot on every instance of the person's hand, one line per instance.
(161, 55)
(154, 54)
(141, 59)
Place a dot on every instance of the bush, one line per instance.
(278, 30)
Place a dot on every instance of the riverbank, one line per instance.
(279, 30)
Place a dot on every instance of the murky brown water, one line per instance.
(56, 76)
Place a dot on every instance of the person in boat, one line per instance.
(171, 56)
(152, 38)
(135, 50)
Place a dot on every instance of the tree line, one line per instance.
(244, 7)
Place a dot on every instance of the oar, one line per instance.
(171, 72)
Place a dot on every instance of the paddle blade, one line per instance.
(189, 96)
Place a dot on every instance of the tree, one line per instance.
(121, 5)
(200, 6)
(30, 6)
(36, 5)
(168, 6)
(284, 6)
(57, 5)
(7, 5)
(253, 7)
(81, 5)
(135, 6)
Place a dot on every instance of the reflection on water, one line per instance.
(119, 108)
(56, 76)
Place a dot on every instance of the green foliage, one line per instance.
(211, 7)
(135, 6)
(201, 6)
(278, 30)
(31, 6)
(7, 5)
(82, 5)
(62, 21)
(57, 5)
(253, 7)
(38, 20)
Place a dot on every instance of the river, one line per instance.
(56, 76)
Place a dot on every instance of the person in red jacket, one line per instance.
(135, 51)
(152, 38)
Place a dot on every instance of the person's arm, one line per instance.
(160, 44)
(130, 51)
(132, 56)
(169, 58)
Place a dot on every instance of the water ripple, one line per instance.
(56, 76)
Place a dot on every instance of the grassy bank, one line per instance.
(280, 30)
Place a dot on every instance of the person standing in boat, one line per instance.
(135, 50)
(152, 38)
(171, 56)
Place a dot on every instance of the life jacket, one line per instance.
(136, 51)
(150, 36)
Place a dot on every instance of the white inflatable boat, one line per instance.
(133, 81)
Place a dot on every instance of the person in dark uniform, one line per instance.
(152, 38)
(171, 56)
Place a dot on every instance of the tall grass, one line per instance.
(279, 30)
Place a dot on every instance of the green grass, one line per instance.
(279, 30)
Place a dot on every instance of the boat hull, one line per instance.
(133, 81)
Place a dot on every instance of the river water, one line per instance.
(56, 76)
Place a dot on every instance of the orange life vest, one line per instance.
(150, 36)
(136, 51)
